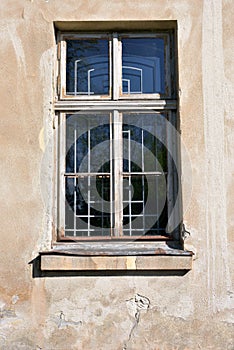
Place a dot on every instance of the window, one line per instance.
(117, 143)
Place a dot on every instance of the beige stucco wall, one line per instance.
(193, 311)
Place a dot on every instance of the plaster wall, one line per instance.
(193, 311)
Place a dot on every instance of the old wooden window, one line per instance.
(116, 140)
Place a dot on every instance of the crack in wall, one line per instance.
(64, 323)
(136, 305)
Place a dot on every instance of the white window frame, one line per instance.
(62, 66)
(116, 102)
(115, 67)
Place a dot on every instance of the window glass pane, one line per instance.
(87, 67)
(144, 146)
(143, 68)
(87, 206)
(88, 195)
(145, 174)
(88, 143)
(145, 208)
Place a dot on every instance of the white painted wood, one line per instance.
(118, 179)
(61, 171)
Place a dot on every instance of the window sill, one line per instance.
(120, 256)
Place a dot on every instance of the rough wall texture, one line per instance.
(193, 311)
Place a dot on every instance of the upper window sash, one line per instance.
(85, 62)
(145, 70)
(114, 67)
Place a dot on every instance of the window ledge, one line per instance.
(107, 256)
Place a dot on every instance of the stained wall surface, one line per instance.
(158, 311)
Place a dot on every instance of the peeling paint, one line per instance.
(14, 299)
(136, 305)
(64, 323)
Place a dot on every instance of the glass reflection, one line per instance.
(87, 67)
(144, 147)
(87, 143)
(88, 196)
(143, 66)
(145, 169)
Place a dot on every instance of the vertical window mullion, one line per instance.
(111, 176)
(116, 67)
(129, 183)
(118, 178)
(143, 169)
(174, 176)
(63, 64)
(89, 182)
(167, 65)
(171, 146)
(61, 172)
(110, 66)
(75, 179)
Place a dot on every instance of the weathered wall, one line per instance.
(193, 311)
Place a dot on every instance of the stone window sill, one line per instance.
(119, 256)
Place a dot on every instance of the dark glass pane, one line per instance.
(137, 208)
(81, 197)
(160, 222)
(144, 150)
(100, 233)
(100, 148)
(87, 207)
(145, 211)
(100, 221)
(137, 224)
(69, 217)
(143, 65)
(87, 67)
(87, 143)
(70, 189)
(103, 187)
(144, 146)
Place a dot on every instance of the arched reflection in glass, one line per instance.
(87, 67)
(143, 70)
